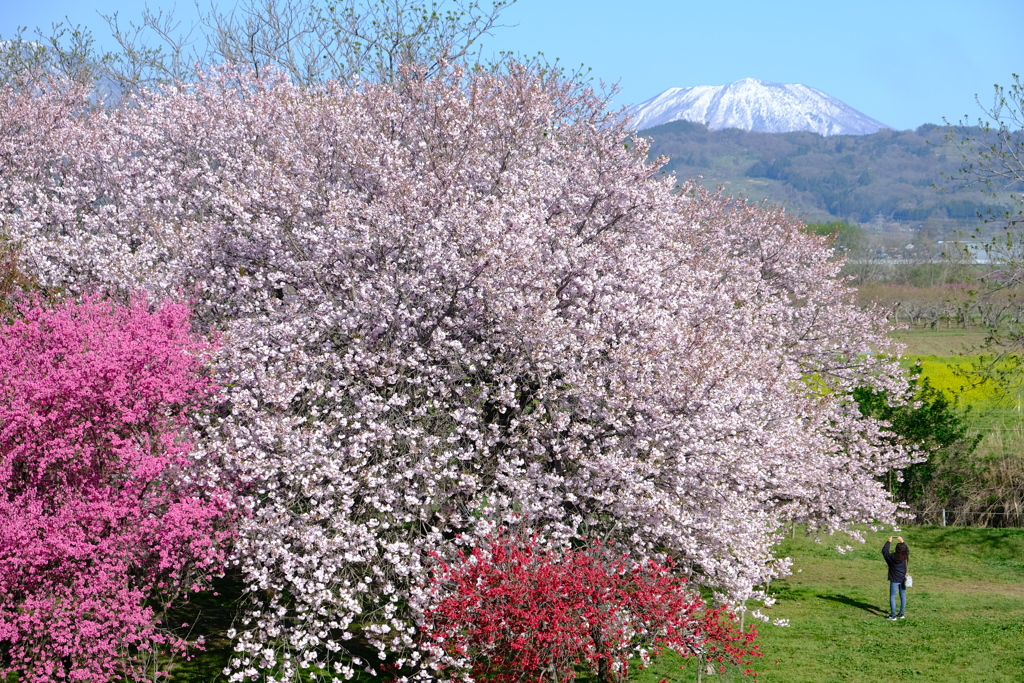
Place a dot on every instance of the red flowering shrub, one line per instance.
(103, 514)
(516, 612)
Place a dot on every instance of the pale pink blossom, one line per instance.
(466, 302)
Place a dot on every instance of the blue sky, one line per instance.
(903, 62)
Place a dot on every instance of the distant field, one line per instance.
(956, 375)
(949, 342)
(965, 613)
(997, 408)
(950, 358)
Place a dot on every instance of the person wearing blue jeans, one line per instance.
(897, 562)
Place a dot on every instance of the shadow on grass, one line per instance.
(854, 603)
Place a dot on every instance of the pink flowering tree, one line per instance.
(105, 521)
(456, 304)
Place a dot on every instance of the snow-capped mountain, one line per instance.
(755, 105)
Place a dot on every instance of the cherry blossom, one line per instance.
(458, 303)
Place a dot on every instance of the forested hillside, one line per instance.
(879, 179)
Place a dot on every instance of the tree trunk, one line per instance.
(604, 672)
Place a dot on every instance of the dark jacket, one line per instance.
(897, 570)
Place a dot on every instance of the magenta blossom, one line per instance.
(104, 516)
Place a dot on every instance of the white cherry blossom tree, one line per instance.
(465, 302)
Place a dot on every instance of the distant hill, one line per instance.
(883, 178)
(755, 105)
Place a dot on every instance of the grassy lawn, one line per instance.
(965, 613)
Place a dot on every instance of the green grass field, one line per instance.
(965, 613)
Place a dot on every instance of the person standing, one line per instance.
(897, 562)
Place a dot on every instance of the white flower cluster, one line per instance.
(455, 305)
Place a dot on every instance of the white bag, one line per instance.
(910, 581)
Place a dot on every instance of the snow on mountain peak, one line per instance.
(755, 105)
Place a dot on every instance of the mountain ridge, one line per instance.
(888, 178)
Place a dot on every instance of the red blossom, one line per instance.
(517, 612)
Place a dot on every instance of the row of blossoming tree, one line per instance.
(401, 357)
